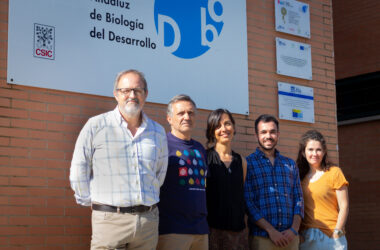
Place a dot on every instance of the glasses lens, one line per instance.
(128, 91)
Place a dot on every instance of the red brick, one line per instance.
(59, 183)
(106, 104)
(23, 104)
(4, 200)
(12, 151)
(47, 154)
(27, 240)
(329, 60)
(18, 230)
(4, 181)
(46, 211)
(26, 201)
(13, 191)
(46, 97)
(78, 230)
(4, 141)
(63, 240)
(46, 135)
(26, 220)
(68, 201)
(54, 247)
(46, 230)
(50, 173)
(76, 119)
(4, 17)
(63, 221)
(63, 127)
(90, 112)
(27, 181)
(80, 211)
(42, 192)
(12, 210)
(86, 245)
(5, 102)
(65, 109)
(5, 122)
(12, 93)
(29, 143)
(4, 36)
(16, 132)
(3, 221)
(8, 112)
(4, 241)
(59, 163)
(27, 162)
(86, 220)
(65, 146)
(31, 124)
(81, 101)
(44, 116)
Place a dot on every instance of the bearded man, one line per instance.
(272, 192)
(119, 163)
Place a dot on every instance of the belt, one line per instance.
(131, 210)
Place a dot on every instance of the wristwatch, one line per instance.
(339, 232)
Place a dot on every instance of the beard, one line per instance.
(132, 109)
(266, 148)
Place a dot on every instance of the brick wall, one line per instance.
(359, 148)
(356, 41)
(356, 37)
(38, 128)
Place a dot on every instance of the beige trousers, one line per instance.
(183, 242)
(124, 231)
(263, 243)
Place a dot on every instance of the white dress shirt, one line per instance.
(111, 166)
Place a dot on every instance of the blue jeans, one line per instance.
(315, 239)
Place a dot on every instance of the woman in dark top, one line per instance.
(225, 184)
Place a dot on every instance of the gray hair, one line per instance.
(178, 98)
(124, 72)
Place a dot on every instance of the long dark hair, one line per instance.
(213, 122)
(302, 163)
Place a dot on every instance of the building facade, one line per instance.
(38, 129)
(357, 64)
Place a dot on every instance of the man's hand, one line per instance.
(289, 234)
(279, 239)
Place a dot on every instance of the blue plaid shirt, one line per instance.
(272, 192)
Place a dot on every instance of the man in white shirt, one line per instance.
(119, 163)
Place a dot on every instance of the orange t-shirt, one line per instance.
(321, 204)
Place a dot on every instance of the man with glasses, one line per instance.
(119, 163)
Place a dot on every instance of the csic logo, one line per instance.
(188, 28)
(44, 41)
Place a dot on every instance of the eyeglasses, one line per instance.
(127, 91)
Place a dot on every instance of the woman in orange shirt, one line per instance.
(325, 195)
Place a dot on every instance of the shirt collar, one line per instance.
(261, 153)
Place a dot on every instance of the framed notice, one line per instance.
(295, 102)
(292, 17)
(293, 59)
(197, 48)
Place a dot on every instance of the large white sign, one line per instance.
(193, 47)
(293, 59)
(292, 17)
(296, 103)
